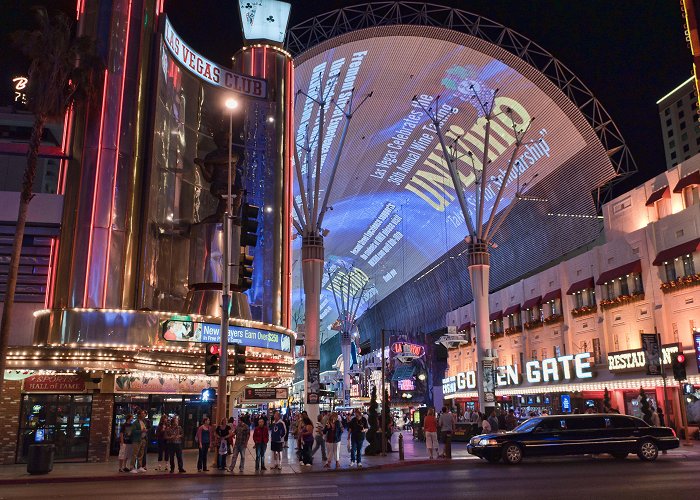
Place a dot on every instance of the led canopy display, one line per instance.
(394, 206)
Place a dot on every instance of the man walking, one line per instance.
(319, 441)
(278, 436)
(242, 435)
(447, 427)
(358, 427)
(139, 435)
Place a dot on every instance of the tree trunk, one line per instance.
(25, 197)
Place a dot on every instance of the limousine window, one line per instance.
(582, 424)
(620, 423)
(551, 424)
(528, 425)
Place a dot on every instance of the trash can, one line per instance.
(40, 458)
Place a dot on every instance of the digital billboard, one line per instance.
(394, 208)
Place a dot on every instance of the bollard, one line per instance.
(400, 446)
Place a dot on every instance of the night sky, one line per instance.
(628, 52)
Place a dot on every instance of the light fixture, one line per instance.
(231, 103)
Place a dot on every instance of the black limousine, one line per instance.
(618, 435)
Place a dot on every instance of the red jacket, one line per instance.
(261, 434)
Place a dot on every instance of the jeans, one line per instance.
(260, 449)
(163, 454)
(176, 452)
(319, 442)
(238, 449)
(221, 461)
(306, 456)
(356, 449)
(202, 459)
(332, 452)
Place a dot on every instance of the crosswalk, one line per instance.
(278, 492)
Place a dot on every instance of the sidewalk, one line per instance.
(415, 453)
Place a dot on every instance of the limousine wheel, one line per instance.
(648, 450)
(512, 454)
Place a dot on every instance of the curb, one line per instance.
(136, 477)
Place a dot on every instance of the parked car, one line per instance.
(618, 435)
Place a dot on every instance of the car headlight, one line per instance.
(487, 442)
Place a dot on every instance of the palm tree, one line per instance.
(61, 73)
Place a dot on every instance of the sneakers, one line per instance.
(134, 471)
(262, 467)
(359, 464)
(142, 469)
(352, 464)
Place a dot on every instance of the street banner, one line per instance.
(489, 382)
(313, 374)
(696, 343)
(652, 353)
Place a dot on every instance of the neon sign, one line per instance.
(20, 84)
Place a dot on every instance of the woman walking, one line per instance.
(163, 456)
(125, 444)
(173, 436)
(203, 438)
(431, 437)
(307, 441)
(334, 433)
(223, 433)
(261, 435)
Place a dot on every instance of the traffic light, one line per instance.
(211, 359)
(238, 359)
(678, 364)
(249, 225)
(245, 271)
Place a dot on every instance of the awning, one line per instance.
(657, 195)
(554, 294)
(512, 310)
(581, 285)
(632, 267)
(464, 326)
(534, 301)
(682, 249)
(495, 315)
(686, 181)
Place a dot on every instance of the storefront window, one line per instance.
(638, 284)
(59, 419)
(624, 286)
(691, 195)
(610, 290)
(578, 299)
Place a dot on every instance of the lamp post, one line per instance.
(231, 104)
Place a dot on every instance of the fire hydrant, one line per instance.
(400, 446)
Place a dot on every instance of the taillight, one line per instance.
(674, 432)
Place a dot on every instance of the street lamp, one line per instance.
(230, 104)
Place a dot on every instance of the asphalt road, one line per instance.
(570, 478)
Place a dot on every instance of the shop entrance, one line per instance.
(59, 419)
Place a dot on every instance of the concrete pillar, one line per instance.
(312, 255)
(100, 427)
(479, 266)
(10, 401)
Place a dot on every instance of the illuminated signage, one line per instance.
(210, 71)
(696, 343)
(407, 385)
(565, 403)
(406, 351)
(264, 19)
(396, 210)
(635, 359)
(191, 331)
(20, 85)
(562, 368)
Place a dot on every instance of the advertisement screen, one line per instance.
(393, 208)
(192, 331)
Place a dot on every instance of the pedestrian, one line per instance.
(357, 426)
(173, 436)
(261, 435)
(278, 436)
(307, 441)
(655, 420)
(485, 424)
(662, 420)
(139, 434)
(162, 443)
(333, 432)
(493, 422)
(501, 419)
(242, 435)
(430, 427)
(203, 439)
(319, 441)
(223, 432)
(511, 421)
(286, 422)
(125, 443)
(446, 422)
